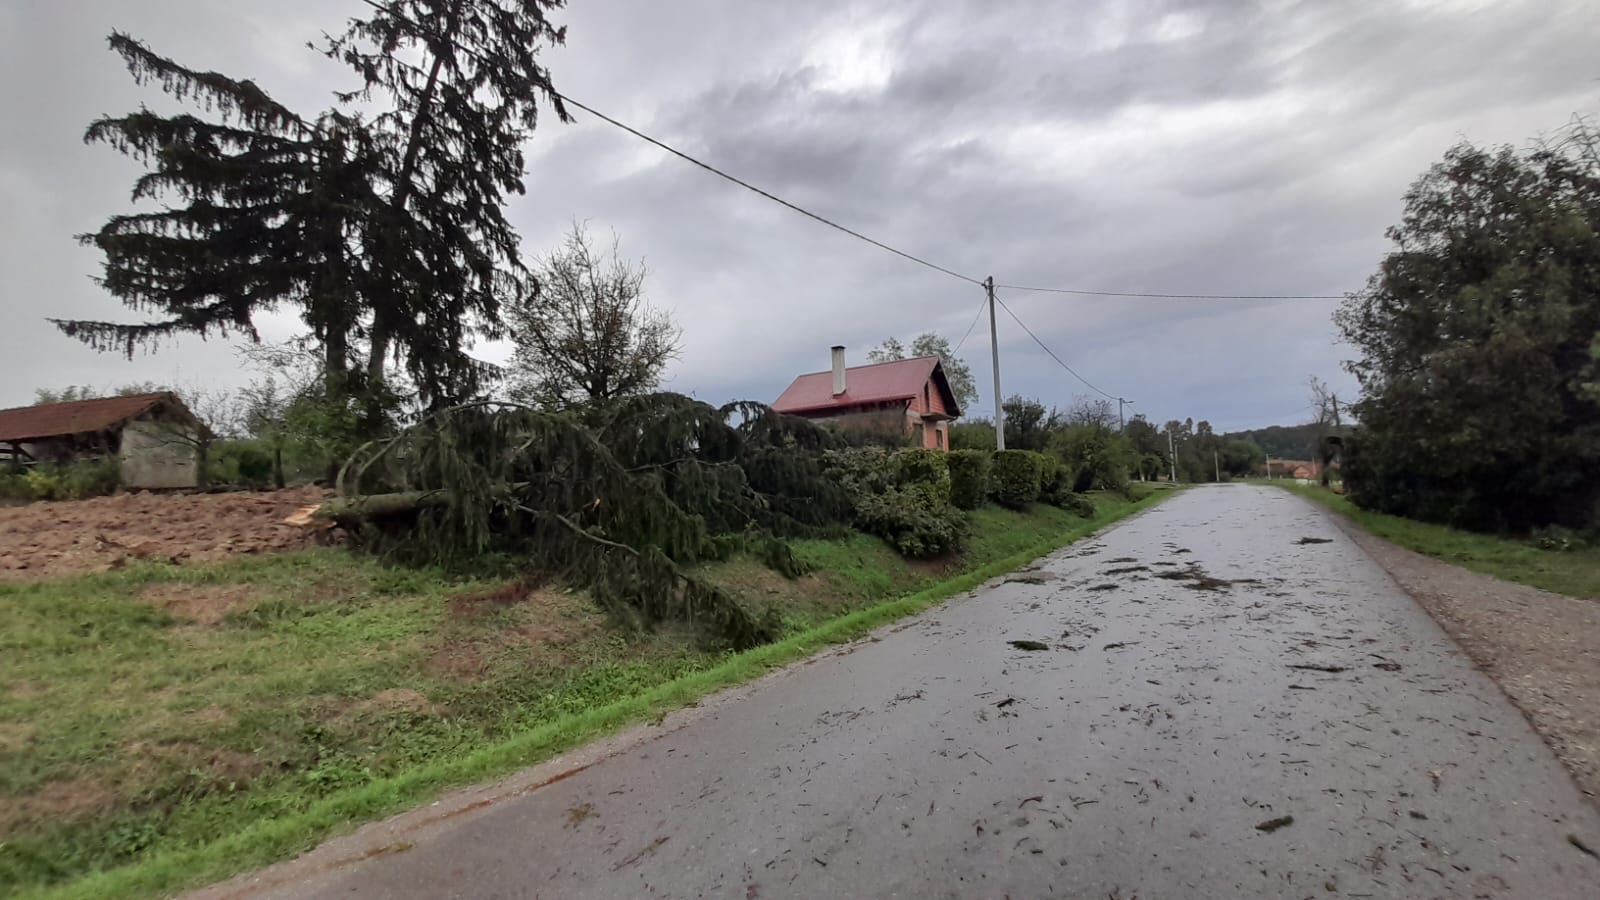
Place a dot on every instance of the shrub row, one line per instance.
(1020, 477)
(969, 477)
(76, 481)
(903, 497)
(914, 498)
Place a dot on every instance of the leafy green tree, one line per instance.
(1242, 458)
(1099, 457)
(1149, 447)
(1027, 424)
(975, 434)
(930, 344)
(1479, 339)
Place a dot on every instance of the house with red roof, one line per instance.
(155, 439)
(902, 397)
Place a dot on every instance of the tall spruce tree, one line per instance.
(260, 209)
(462, 83)
(388, 230)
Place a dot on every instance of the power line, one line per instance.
(704, 165)
(975, 317)
(823, 219)
(1052, 353)
(1044, 290)
(773, 197)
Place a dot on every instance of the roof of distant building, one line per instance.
(900, 379)
(47, 420)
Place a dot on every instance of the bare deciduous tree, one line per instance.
(1090, 411)
(588, 335)
(1325, 408)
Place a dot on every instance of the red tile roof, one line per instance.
(26, 423)
(901, 379)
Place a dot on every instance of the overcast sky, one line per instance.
(1218, 146)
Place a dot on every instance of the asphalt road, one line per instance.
(1235, 702)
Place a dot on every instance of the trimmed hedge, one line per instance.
(1077, 504)
(923, 468)
(1015, 477)
(969, 477)
(903, 497)
(915, 520)
(1055, 479)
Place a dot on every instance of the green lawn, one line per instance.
(165, 726)
(1573, 572)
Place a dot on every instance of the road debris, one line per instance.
(1271, 825)
(1314, 540)
(1030, 646)
(577, 814)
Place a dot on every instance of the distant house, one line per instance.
(903, 397)
(154, 438)
(1298, 469)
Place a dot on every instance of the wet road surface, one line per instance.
(1234, 702)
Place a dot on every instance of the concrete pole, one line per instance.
(994, 353)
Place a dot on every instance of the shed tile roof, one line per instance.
(25, 423)
(901, 379)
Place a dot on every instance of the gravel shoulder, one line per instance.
(1543, 649)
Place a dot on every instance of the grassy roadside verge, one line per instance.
(1575, 573)
(324, 774)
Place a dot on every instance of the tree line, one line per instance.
(1479, 343)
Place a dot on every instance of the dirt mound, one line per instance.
(71, 537)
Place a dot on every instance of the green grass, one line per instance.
(335, 690)
(1572, 572)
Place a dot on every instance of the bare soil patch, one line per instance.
(60, 801)
(220, 764)
(212, 715)
(14, 736)
(72, 537)
(202, 604)
(1542, 648)
(477, 603)
(544, 623)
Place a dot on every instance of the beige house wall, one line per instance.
(157, 455)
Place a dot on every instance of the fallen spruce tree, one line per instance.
(618, 500)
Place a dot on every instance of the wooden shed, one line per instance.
(156, 440)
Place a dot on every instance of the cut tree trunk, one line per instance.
(349, 511)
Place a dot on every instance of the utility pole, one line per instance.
(994, 353)
(1122, 424)
(1172, 456)
(1216, 463)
